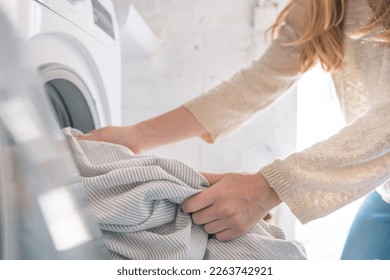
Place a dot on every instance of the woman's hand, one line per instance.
(232, 205)
(173, 126)
(121, 135)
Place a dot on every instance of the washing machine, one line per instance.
(76, 50)
(44, 212)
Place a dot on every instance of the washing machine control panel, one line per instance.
(103, 18)
(96, 17)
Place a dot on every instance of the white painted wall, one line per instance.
(200, 44)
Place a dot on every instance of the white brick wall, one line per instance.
(201, 43)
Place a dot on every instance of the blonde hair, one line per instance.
(322, 37)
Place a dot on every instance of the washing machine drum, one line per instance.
(69, 104)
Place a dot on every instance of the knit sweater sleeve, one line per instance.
(334, 172)
(227, 106)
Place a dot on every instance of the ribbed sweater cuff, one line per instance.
(286, 192)
(276, 181)
(201, 114)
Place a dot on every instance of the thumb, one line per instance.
(213, 178)
(87, 136)
(95, 135)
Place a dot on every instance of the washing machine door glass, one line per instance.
(70, 105)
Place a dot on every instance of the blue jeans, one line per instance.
(369, 236)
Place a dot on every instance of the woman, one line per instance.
(350, 40)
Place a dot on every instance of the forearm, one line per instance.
(173, 126)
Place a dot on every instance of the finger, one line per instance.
(227, 234)
(204, 216)
(215, 226)
(84, 136)
(87, 136)
(93, 135)
(197, 202)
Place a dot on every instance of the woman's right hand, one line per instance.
(232, 204)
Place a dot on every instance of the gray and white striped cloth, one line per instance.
(136, 202)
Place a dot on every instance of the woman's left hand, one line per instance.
(232, 204)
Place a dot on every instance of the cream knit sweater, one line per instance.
(341, 169)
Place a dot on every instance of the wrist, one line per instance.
(269, 197)
(142, 135)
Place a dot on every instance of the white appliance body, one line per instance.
(44, 211)
(75, 47)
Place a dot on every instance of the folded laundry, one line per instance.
(136, 203)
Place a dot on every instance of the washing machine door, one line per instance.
(71, 79)
(44, 213)
(70, 98)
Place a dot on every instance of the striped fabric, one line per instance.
(136, 202)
